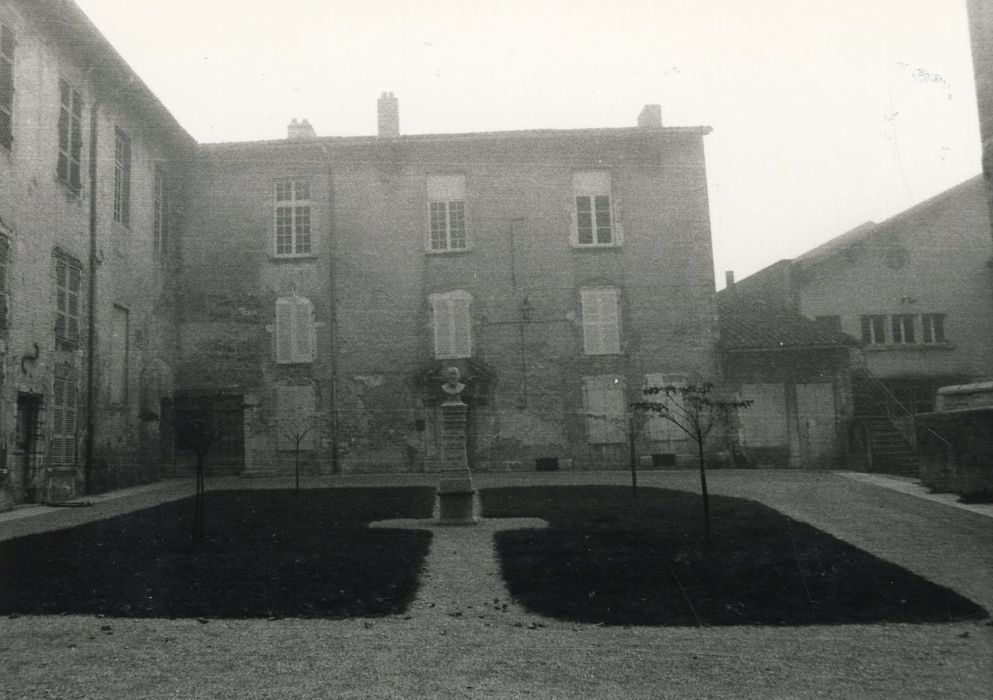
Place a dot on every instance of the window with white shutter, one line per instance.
(452, 322)
(295, 417)
(68, 288)
(294, 331)
(601, 320)
(605, 403)
(4, 257)
(658, 428)
(62, 451)
(8, 42)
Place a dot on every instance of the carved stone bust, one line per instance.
(452, 386)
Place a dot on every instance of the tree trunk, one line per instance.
(703, 489)
(634, 459)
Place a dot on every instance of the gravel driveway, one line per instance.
(458, 639)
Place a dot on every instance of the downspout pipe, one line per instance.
(91, 307)
(332, 316)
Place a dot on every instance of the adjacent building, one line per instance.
(90, 166)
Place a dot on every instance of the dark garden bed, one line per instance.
(264, 555)
(608, 558)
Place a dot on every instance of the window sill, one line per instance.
(70, 191)
(595, 246)
(293, 258)
(910, 347)
(448, 251)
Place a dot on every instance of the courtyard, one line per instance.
(464, 636)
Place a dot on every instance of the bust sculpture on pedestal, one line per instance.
(452, 386)
(456, 497)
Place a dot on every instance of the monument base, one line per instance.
(456, 502)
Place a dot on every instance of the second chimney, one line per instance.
(650, 117)
(389, 115)
(300, 131)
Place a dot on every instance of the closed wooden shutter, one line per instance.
(658, 428)
(452, 324)
(605, 401)
(4, 253)
(601, 320)
(295, 415)
(63, 439)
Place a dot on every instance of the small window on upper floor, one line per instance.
(903, 329)
(295, 337)
(122, 178)
(68, 289)
(932, 329)
(601, 320)
(594, 218)
(68, 168)
(451, 321)
(8, 42)
(874, 329)
(291, 212)
(446, 212)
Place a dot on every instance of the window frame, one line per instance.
(119, 371)
(296, 207)
(595, 327)
(591, 185)
(933, 333)
(65, 418)
(873, 329)
(902, 329)
(8, 55)
(599, 428)
(122, 177)
(4, 275)
(70, 137)
(66, 318)
(448, 345)
(160, 210)
(301, 335)
(446, 194)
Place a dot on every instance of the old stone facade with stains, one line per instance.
(559, 270)
(88, 162)
(303, 296)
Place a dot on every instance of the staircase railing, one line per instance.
(900, 417)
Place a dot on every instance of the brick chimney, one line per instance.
(389, 115)
(300, 131)
(650, 117)
(729, 280)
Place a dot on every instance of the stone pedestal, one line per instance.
(456, 496)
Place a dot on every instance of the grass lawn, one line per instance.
(608, 558)
(264, 556)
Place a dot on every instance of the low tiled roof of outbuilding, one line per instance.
(757, 325)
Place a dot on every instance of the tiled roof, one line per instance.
(756, 325)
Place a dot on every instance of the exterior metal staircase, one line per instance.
(887, 426)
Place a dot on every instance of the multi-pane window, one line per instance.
(68, 279)
(601, 320)
(119, 351)
(122, 178)
(70, 135)
(903, 329)
(605, 403)
(295, 337)
(932, 328)
(8, 42)
(62, 449)
(452, 323)
(594, 220)
(160, 211)
(874, 329)
(446, 208)
(292, 212)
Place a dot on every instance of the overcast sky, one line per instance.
(826, 113)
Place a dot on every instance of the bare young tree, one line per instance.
(695, 411)
(195, 431)
(294, 428)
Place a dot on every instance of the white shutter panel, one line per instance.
(442, 313)
(591, 322)
(303, 330)
(57, 450)
(284, 330)
(610, 340)
(461, 328)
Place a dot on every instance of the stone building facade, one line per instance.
(89, 169)
(331, 280)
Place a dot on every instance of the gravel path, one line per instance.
(484, 652)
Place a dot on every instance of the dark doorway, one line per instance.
(223, 417)
(27, 442)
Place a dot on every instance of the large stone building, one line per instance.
(337, 277)
(88, 168)
(307, 292)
